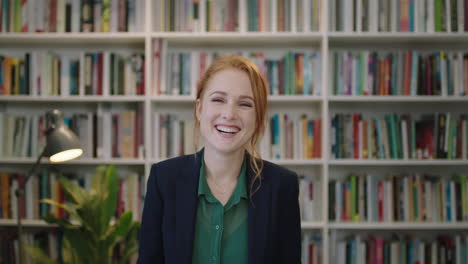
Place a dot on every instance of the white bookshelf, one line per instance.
(426, 99)
(397, 162)
(398, 226)
(323, 106)
(312, 225)
(72, 98)
(82, 161)
(25, 222)
(399, 38)
(73, 38)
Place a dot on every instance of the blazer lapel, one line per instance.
(258, 219)
(186, 208)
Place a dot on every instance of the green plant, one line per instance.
(92, 235)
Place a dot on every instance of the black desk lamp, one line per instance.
(61, 145)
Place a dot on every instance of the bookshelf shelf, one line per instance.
(399, 38)
(28, 223)
(237, 38)
(27, 161)
(312, 225)
(71, 99)
(42, 224)
(110, 161)
(295, 99)
(399, 226)
(398, 99)
(298, 162)
(433, 162)
(173, 99)
(72, 38)
(283, 162)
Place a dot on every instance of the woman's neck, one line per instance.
(223, 168)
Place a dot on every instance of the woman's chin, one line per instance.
(224, 149)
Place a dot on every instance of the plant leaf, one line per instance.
(131, 242)
(62, 223)
(97, 185)
(89, 213)
(124, 224)
(38, 255)
(83, 248)
(73, 192)
(109, 202)
(69, 210)
(118, 231)
(127, 254)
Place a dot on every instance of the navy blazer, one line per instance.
(168, 222)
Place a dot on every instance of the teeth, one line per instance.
(227, 129)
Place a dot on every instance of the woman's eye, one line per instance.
(246, 104)
(217, 100)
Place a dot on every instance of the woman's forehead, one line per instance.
(229, 82)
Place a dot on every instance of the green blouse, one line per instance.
(221, 231)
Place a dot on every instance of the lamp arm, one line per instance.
(32, 170)
(19, 193)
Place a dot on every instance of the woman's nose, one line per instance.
(229, 111)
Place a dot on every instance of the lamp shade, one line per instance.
(62, 144)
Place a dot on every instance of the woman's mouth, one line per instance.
(227, 129)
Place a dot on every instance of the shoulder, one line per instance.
(278, 174)
(283, 182)
(174, 164)
(164, 171)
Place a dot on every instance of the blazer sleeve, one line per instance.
(290, 222)
(151, 243)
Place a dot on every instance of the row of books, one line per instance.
(50, 74)
(406, 198)
(399, 16)
(48, 240)
(174, 136)
(310, 193)
(401, 249)
(400, 73)
(237, 15)
(71, 16)
(23, 136)
(127, 137)
(114, 74)
(102, 134)
(292, 137)
(286, 137)
(312, 249)
(297, 73)
(45, 185)
(399, 136)
(283, 16)
(291, 73)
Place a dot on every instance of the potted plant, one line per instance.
(92, 233)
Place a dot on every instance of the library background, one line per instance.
(368, 104)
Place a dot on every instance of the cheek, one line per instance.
(250, 122)
(206, 117)
(206, 120)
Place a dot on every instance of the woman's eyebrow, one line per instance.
(246, 97)
(220, 92)
(224, 93)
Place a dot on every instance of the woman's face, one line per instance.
(226, 111)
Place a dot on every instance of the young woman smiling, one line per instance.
(223, 204)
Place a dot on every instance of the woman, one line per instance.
(223, 204)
